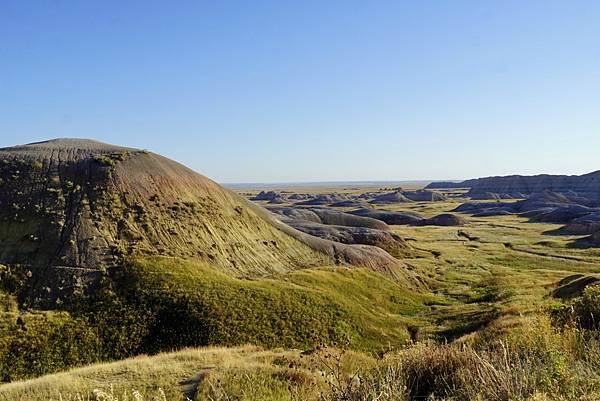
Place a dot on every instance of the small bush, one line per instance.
(586, 309)
(434, 370)
(37, 165)
(56, 343)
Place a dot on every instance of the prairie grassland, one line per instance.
(502, 266)
(482, 332)
(534, 362)
(219, 368)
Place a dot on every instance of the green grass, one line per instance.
(36, 343)
(482, 289)
(484, 279)
(290, 310)
(535, 362)
(157, 304)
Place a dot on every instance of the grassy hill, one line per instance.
(107, 252)
(164, 303)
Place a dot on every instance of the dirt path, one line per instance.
(189, 387)
(548, 255)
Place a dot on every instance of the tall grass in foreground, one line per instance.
(536, 362)
(538, 358)
(110, 395)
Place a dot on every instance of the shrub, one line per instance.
(533, 362)
(122, 327)
(200, 306)
(37, 165)
(54, 344)
(586, 309)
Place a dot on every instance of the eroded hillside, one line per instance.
(72, 209)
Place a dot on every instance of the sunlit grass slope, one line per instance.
(356, 306)
(534, 362)
(162, 303)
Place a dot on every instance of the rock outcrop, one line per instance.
(401, 196)
(448, 184)
(390, 197)
(266, 196)
(584, 225)
(547, 207)
(424, 195)
(329, 217)
(324, 199)
(518, 186)
(389, 217)
(388, 241)
(444, 220)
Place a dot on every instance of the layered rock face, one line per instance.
(344, 228)
(547, 207)
(329, 217)
(515, 186)
(448, 184)
(401, 196)
(388, 241)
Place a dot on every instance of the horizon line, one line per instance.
(338, 182)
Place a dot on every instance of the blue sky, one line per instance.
(261, 91)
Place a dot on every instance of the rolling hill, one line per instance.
(72, 208)
(108, 252)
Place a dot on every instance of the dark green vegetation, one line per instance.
(195, 305)
(160, 304)
(540, 360)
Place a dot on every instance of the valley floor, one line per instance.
(492, 269)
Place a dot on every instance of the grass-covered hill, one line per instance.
(73, 208)
(157, 304)
(107, 252)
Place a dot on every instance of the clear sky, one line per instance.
(274, 91)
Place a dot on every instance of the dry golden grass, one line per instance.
(248, 372)
(535, 362)
(145, 374)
